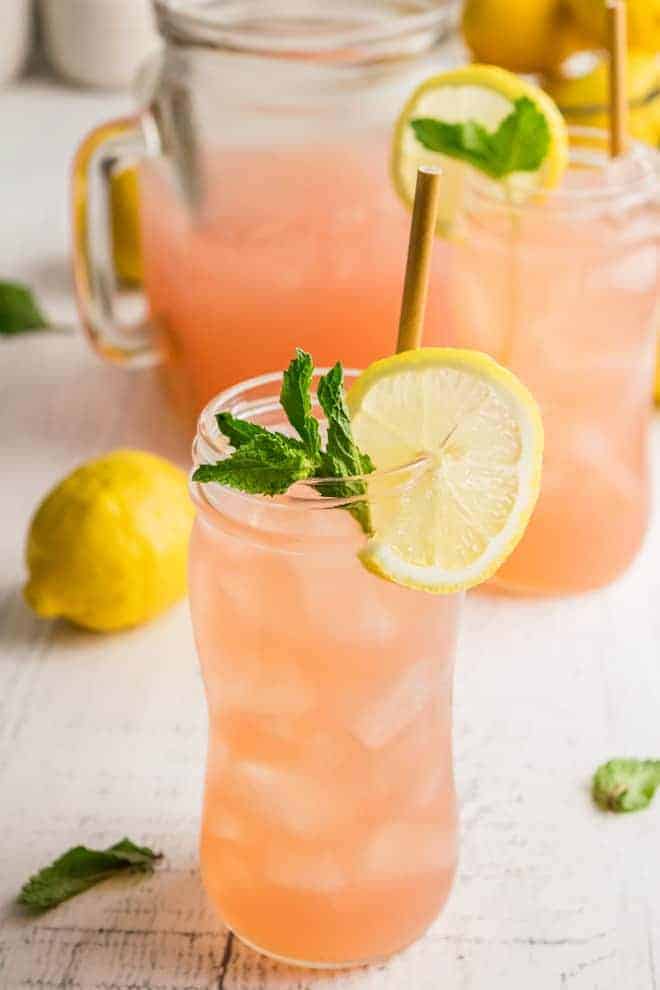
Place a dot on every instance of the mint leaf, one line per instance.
(269, 463)
(468, 141)
(342, 457)
(297, 402)
(266, 465)
(626, 785)
(19, 311)
(520, 143)
(522, 140)
(238, 431)
(81, 868)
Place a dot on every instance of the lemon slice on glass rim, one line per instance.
(480, 433)
(485, 94)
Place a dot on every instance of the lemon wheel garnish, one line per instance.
(485, 94)
(479, 431)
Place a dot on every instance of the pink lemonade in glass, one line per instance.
(329, 823)
(564, 292)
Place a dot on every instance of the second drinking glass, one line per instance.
(563, 290)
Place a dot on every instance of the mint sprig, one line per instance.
(520, 143)
(266, 465)
(342, 458)
(19, 310)
(81, 868)
(238, 431)
(626, 785)
(296, 401)
(266, 462)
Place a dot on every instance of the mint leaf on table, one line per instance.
(19, 311)
(296, 400)
(81, 868)
(342, 457)
(626, 785)
(520, 143)
(266, 465)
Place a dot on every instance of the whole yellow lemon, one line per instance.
(583, 99)
(125, 226)
(520, 35)
(107, 547)
(643, 21)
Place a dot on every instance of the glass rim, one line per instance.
(234, 26)
(588, 109)
(645, 181)
(209, 441)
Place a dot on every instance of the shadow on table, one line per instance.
(20, 628)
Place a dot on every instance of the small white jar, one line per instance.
(98, 43)
(15, 32)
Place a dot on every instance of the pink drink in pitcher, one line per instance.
(267, 214)
(298, 245)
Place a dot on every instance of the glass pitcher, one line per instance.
(267, 216)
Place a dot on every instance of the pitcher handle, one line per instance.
(109, 149)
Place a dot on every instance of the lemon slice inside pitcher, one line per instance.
(480, 431)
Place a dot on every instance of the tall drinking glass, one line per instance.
(267, 215)
(329, 823)
(564, 291)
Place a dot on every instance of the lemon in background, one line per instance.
(107, 548)
(520, 35)
(583, 98)
(125, 226)
(643, 21)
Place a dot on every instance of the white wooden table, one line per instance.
(103, 736)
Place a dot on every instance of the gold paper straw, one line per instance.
(617, 45)
(418, 265)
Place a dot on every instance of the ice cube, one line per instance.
(317, 872)
(270, 683)
(330, 751)
(383, 718)
(636, 272)
(295, 801)
(403, 849)
(223, 825)
(372, 620)
(591, 446)
(428, 786)
(412, 770)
